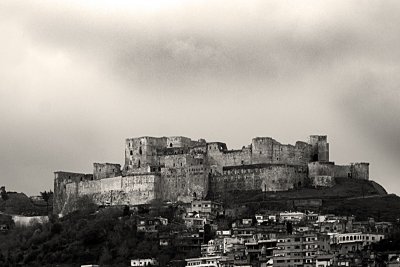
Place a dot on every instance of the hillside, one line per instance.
(344, 188)
(21, 204)
(108, 237)
(361, 198)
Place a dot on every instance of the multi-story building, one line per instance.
(213, 261)
(296, 250)
(206, 208)
(261, 251)
(293, 217)
(351, 242)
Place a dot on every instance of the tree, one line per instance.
(3, 193)
(46, 197)
(105, 257)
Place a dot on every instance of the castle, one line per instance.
(180, 169)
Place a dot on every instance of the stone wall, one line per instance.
(219, 156)
(178, 141)
(268, 150)
(319, 148)
(141, 152)
(360, 170)
(342, 171)
(106, 170)
(182, 160)
(263, 177)
(354, 170)
(322, 181)
(184, 184)
(89, 187)
(321, 169)
(61, 180)
(136, 189)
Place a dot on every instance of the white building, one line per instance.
(144, 262)
(291, 216)
(205, 261)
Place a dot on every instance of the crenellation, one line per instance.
(180, 169)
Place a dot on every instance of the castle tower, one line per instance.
(142, 152)
(360, 170)
(319, 148)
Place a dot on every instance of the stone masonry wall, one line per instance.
(184, 184)
(106, 170)
(268, 150)
(137, 189)
(61, 193)
(259, 177)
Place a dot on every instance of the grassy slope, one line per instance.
(348, 197)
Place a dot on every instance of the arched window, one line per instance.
(139, 164)
(170, 144)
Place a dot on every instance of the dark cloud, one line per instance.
(264, 41)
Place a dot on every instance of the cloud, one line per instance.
(371, 105)
(92, 73)
(236, 41)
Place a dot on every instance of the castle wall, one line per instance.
(72, 189)
(322, 181)
(111, 184)
(361, 170)
(219, 156)
(135, 189)
(319, 148)
(268, 150)
(183, 184)
(266, 177)
(321, 169)
(61, 180)
(178, 141)
(175, 161)
(325, 169)
(342, 171)
(89, 187)
(236, 157)
(141, 152)
(106, 170)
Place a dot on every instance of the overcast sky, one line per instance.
(78, 77)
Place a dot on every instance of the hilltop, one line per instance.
(361, 198)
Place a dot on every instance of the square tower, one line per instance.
(319, 148)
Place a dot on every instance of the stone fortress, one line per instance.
(180, 169)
